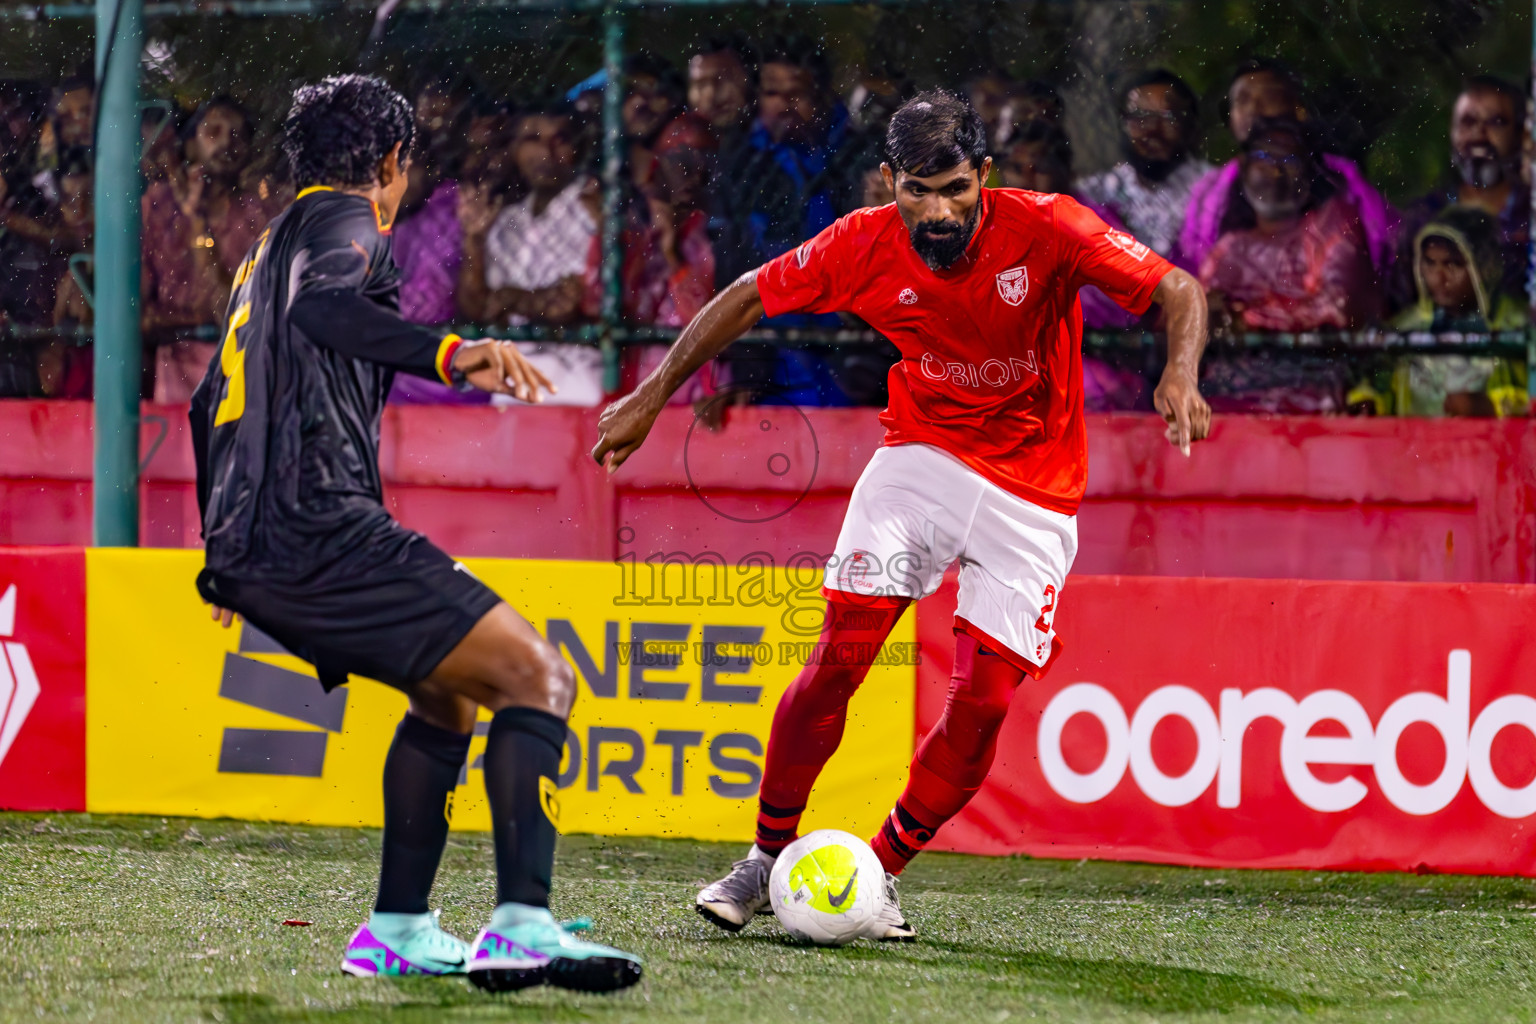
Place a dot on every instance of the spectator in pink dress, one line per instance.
(1267, 89)
(1292, 257)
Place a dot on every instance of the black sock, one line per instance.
(420, 774)
(522, 761)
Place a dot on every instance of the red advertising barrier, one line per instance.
(1271, 496)
(42, 679)
(1265, 724)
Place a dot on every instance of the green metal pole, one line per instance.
(613, 170)
(119, 352)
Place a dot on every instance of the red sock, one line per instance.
(953, 760)
(808, 723)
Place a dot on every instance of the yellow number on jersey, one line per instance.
(232, 362)
(243, 274)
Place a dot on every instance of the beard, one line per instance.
(941, 244)
(1146, 167)
(1481, 167)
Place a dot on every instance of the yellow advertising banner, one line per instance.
(679, 669)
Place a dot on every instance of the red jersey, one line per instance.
(991, 364)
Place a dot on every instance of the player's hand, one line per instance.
(223, 616)
(621, 430)
(1178, 399)
(498, 367)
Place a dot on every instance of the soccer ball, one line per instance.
(827, 887)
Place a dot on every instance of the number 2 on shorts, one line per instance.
(1047, 609)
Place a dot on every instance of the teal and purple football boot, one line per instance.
(524, 946)
(397, 945)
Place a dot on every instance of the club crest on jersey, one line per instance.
(1132, 248)
(908, 297)
(1013, 285)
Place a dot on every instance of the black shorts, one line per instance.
(389, 617)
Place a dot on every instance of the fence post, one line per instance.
(613, 169)
(118, 348)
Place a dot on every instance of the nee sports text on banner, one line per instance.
(676, 690)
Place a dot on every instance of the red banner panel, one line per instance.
(42, 679)
(1265, 723)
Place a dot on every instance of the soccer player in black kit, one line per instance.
(286, 431)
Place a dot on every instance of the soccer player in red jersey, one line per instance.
(984, 460)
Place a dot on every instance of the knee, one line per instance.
(559, 681)
(540, 678)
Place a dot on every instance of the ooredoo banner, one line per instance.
(679, 669)
(1268, 723)
(1241, 723)
(42, 679)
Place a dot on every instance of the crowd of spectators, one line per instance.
(748, 149)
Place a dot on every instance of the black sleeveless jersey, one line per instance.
(285, 426)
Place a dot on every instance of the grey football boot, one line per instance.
(740, 895)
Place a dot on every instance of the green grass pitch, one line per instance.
(149, 919)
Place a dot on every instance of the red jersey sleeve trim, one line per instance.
(1009, 655)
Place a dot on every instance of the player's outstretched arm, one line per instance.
(498, 366)
(625, 423)
(362, 329)
(1177, 396)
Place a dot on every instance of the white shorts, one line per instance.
(916, 510)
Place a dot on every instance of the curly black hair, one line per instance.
(341, 127)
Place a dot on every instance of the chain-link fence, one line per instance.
(556, 201)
